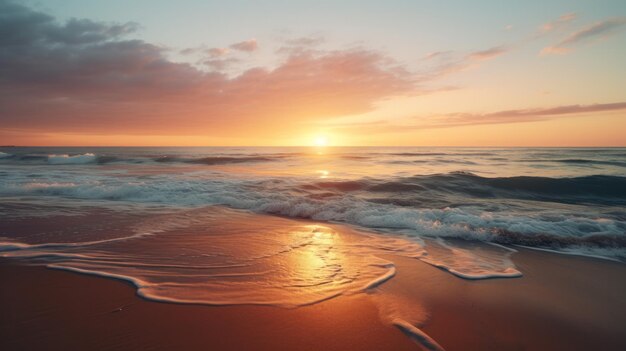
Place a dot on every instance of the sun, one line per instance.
(320, 140)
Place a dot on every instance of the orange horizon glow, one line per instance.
(590, 131)
(554, 82)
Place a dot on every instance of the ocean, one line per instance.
(163, 217)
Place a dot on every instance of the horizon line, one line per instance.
(327, 146)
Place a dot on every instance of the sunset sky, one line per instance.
(191, 72)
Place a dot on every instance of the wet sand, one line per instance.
(561, 303)
(45, 309)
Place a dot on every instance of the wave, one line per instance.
(576, 161)
(433, 161)
(556, 231)
(30, 158)
(227, 160)
(72, 159)
(600, 189)
(214, 160)
(442, 154)
(457, 204)
(91, 158)
(588, 161)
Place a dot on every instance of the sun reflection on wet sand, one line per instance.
(221, 256)
(322, 264)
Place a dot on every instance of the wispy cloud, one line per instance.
(306, 41)
(436, 54)
(449, 120)
(220, 64)
(217, 52)
(523, 115)
(487, 54)
(558, 23)
(450, 62)
(599, 30)
(247, 45)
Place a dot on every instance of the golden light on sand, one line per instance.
(319, 264)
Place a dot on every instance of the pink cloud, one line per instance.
(487, 54)
(599, 30)
(218, 52)
(559, 22)
(553, 50)
(220, 64)
(106, 84)
(247, 45)
(449, 62)
(526, 115)
(468, 119)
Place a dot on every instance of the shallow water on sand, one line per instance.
(221, 256)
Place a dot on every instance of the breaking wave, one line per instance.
(91, 158)
(219, 160)
(72, 159)
(600, 189)
(435, 205)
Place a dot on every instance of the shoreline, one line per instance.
(561, 302)
(79, 311)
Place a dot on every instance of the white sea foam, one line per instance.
(558, 227)
(12, 246)
(418, 335)
(4, 155)
(383, 278)
(469, 260)
(72, 159)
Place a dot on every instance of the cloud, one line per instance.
(220, 64)
(558, 23)
(84, 76)
(40, 57)
(307, 41)
(217, 52)
(247, 45)
(468, 119)
(449, 62)
(515, 116)
(436, 54)
(203, 50)
(487, 54)
(295, 46)
(19, 26)
(598, 30)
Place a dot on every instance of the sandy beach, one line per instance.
(561, 303)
